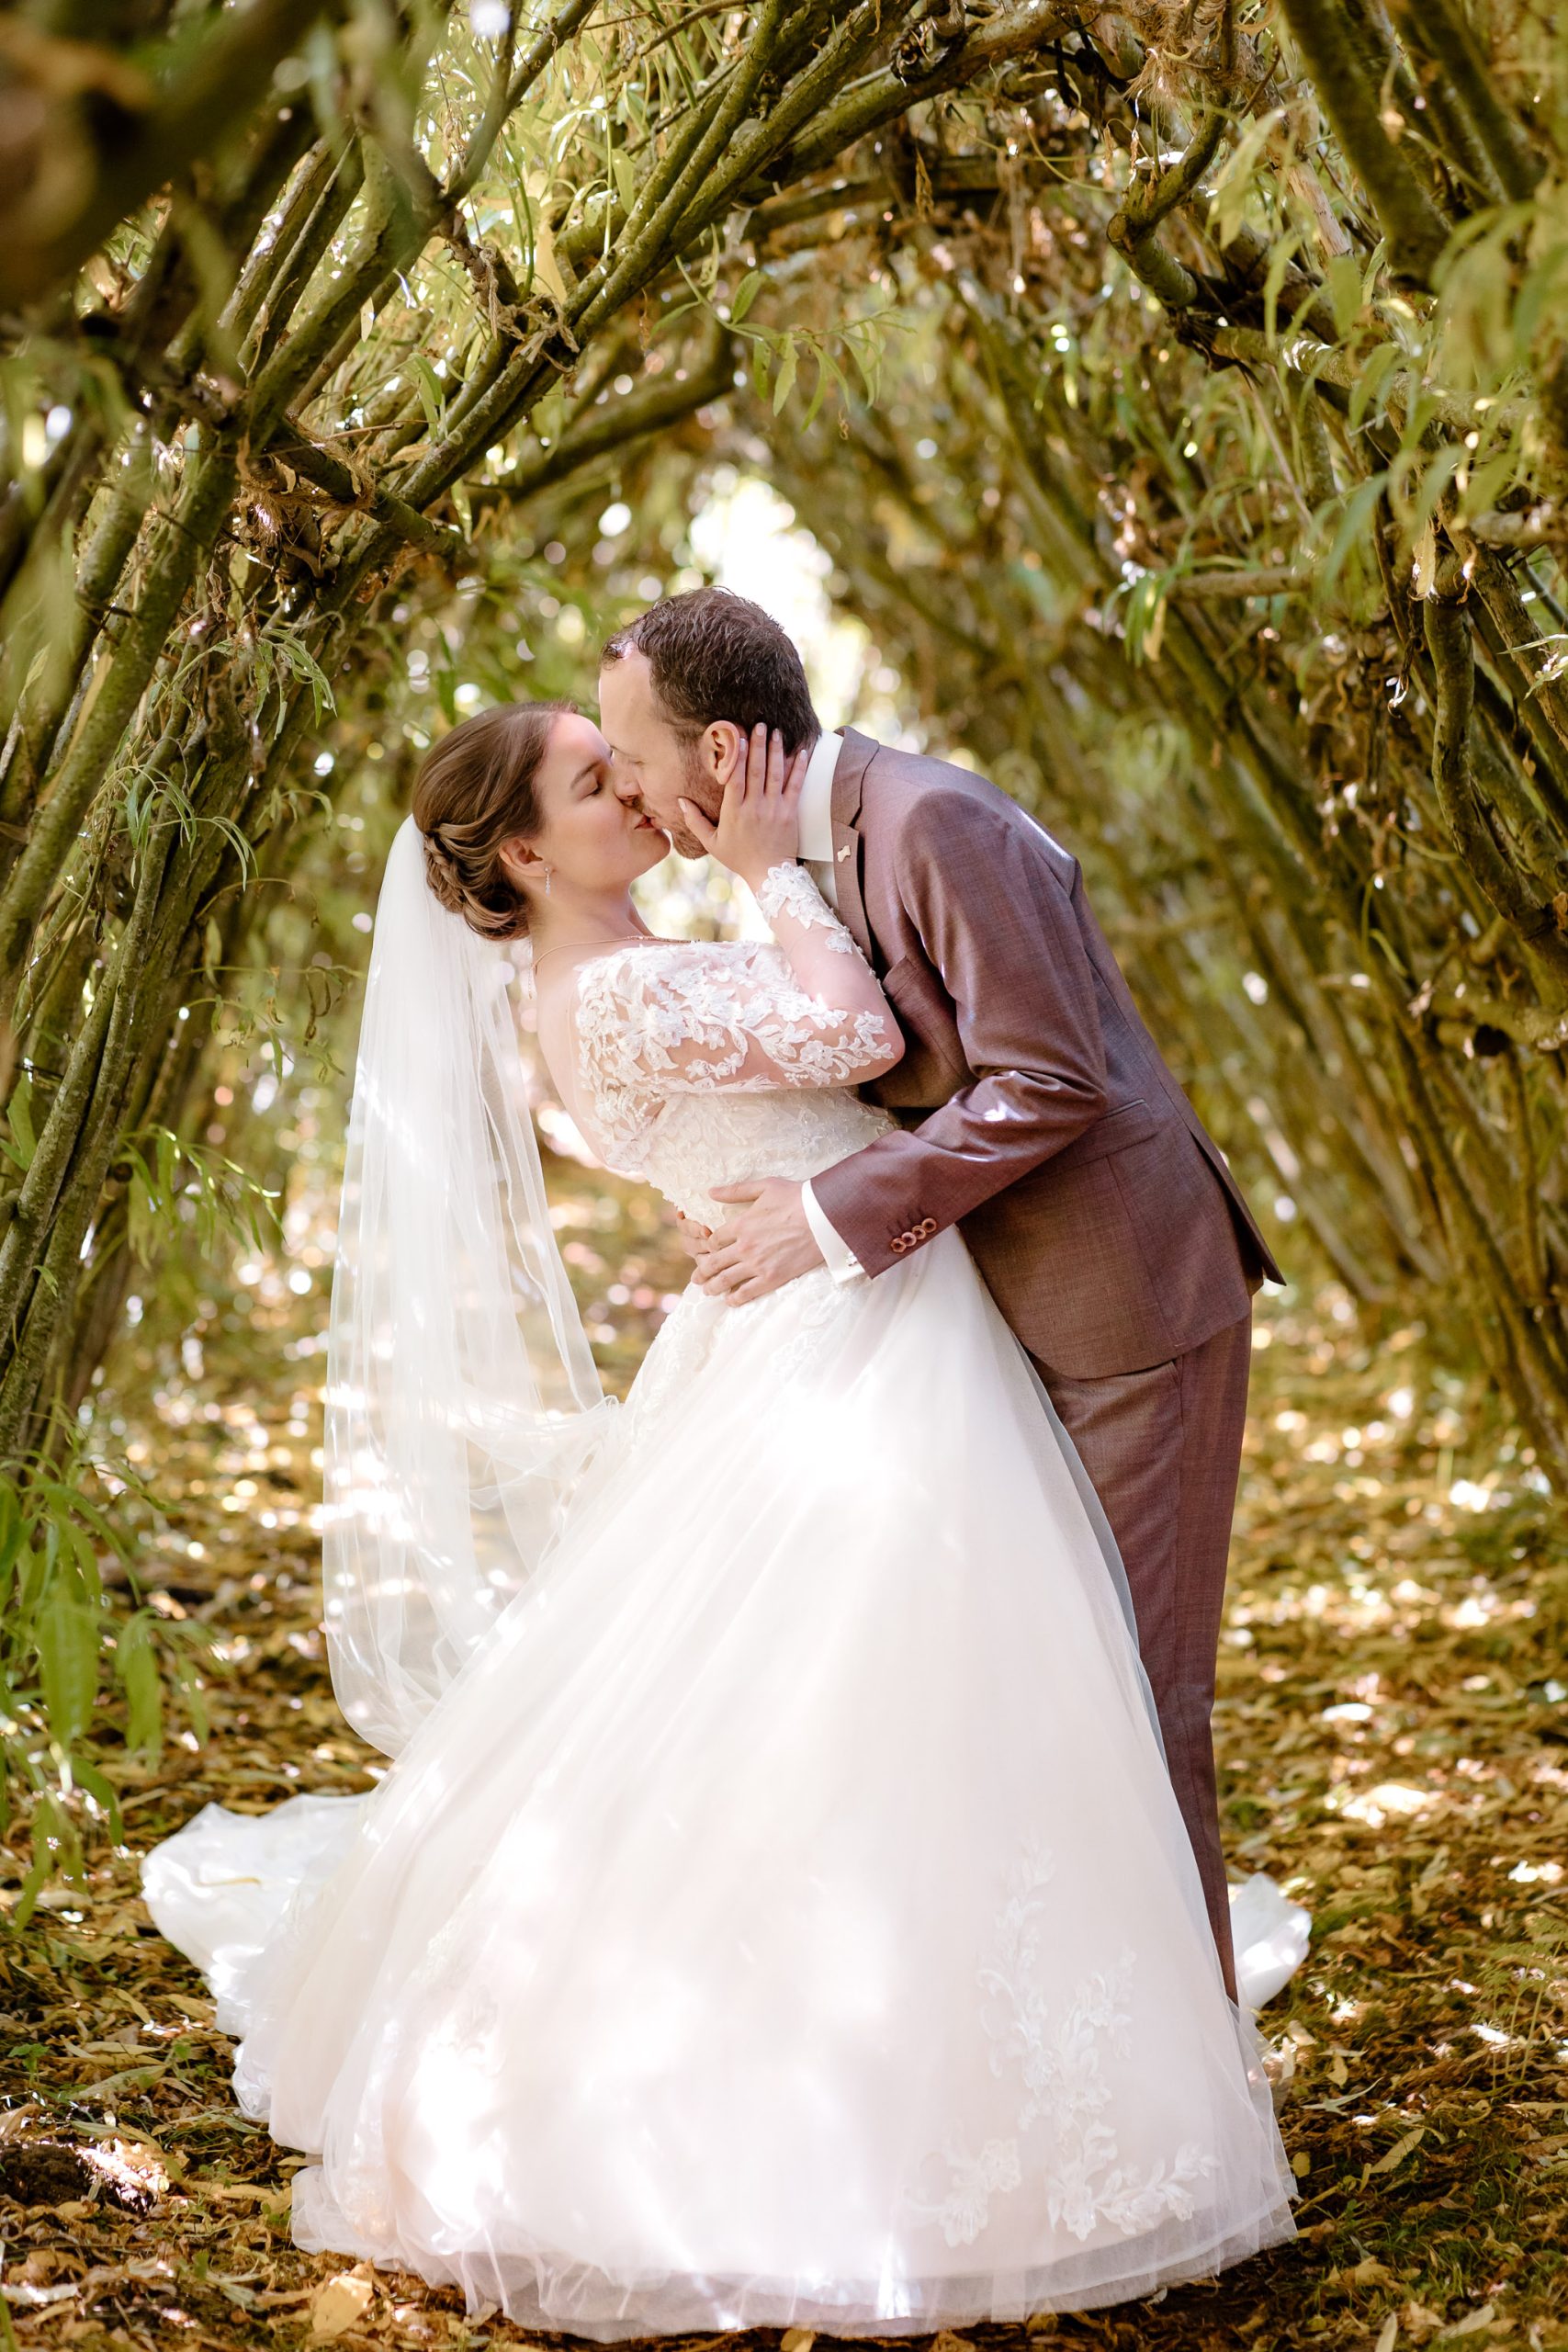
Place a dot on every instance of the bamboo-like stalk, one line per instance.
(1362, 915)
(355, 214)
(181, 545)
(1327, 37)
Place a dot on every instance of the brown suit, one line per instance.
(1040, 1115)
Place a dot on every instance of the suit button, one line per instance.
(899, 1242)
(927, 1226)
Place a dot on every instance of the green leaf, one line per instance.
(304, 664)
(1354, 521)
(432, 397)
(784, 382)
(20, 1119)
(824, 370)
(1279, 261)
(745, 294)
(623, 172)
(55, 1849)
(88, 1777)
(1343, 277)
(136, 1667)
(1487, 483)
(867, 349)
(1227, 208)
(36, 1567)
(67, 1638)
(1542, 290)
(12, 1527)
(1434, 482)
(1374, 373)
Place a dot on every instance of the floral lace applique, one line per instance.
(789, 890)
(966, 2209)
(1055, 2061)
(653, 1023)
(701, 1140)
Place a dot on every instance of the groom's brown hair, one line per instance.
(712, 654)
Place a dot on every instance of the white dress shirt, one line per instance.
(816, 856)
(816, 816)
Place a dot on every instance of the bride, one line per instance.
(777, 1911)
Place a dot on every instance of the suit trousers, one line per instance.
(1163, 1450)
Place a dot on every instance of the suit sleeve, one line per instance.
(997, 921)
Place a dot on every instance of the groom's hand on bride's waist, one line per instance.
(767, 1243)
(694, 1237)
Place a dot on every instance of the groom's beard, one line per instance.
(698, 786)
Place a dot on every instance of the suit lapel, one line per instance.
(848, 848)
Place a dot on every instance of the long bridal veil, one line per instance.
(462, 1399)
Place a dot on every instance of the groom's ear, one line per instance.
(723, 749)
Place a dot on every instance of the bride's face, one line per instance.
(655, 767)
(589, 836)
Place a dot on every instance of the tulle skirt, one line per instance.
(784, 1918)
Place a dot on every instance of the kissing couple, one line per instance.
(797, 1896)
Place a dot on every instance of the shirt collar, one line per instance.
(816, 799)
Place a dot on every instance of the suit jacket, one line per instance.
(1035, 1110)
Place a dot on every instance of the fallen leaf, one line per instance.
(1370, 2273)
(1388, 2334)
(338, 2304)
(1400, 2150)
(1421, 2321)
(1471, 2324)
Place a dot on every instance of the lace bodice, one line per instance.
(703, 1063)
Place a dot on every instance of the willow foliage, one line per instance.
(1181, 389)
(1214, 499)
(308, 303)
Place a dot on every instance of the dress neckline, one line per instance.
(612, 946)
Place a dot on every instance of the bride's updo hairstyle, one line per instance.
(476, 788)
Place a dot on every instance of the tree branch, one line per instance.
(226, 80)
(1326, 42)
(598, 432)
(1453, 777)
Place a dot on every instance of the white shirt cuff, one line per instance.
(838, 1258)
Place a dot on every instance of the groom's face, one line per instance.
(653, 768)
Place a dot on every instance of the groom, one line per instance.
(1035, 1113)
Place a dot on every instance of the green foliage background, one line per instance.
(1181, 393)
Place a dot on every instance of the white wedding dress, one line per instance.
(785, 1917)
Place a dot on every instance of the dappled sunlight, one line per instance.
(1162, 412)
(1393, 1743)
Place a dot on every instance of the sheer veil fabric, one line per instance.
(462, 1398)
(777, 1912)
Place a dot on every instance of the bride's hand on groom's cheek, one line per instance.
(768, 1244)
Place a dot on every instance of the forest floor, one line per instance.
(1393, 1736)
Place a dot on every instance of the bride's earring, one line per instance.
(547, 881)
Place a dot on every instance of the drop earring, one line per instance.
(547, 881)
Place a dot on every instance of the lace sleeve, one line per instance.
(789, 890)
(653, 1022)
